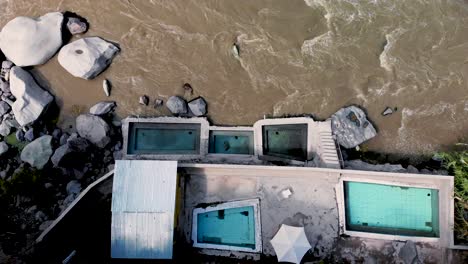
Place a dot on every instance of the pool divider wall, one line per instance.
(255, 203)
(321, 147)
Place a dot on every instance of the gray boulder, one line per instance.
(5, 129)
(71, 153)
(176, 105)
(76, 26)
(361, 165)
(38, 152)
(5, 71)
(4, 86)
(143, 100)
(197, 107)
(103, 108)
(20, 135)
(63, 139)
(3, 148)
(31, 99)
(106, 86)
(73, 188)
(87, 57)
(94, 129)
(56, 133)
(27, 42)
(4, 108)
(387, 111)
(351, 127)
(29, 135)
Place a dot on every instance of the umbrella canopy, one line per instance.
(290, 244)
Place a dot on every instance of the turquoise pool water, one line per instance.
(152, 138)
(229, 227)
(392, 210)
(286, 141)
(231, 142)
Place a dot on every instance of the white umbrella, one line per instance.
(290, 244)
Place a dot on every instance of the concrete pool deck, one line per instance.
(315, 203)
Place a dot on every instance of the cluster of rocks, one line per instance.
(28, 142)
(178, 106)
(387, 167)
(29, 42)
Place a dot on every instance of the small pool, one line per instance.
(231, 142)
(285, 141)
(163, 138)
(233, 226)
(389, 209)
(229, 227)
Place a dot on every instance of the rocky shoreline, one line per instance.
(42, 168)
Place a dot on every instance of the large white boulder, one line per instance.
(31, 99)
(351, 127)
(94, 129)
(28, 41)
(87, 57)
(38, 152)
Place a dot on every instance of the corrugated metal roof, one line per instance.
(143, 205)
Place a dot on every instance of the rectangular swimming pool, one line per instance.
(231, 142)
(229, 227)
(163, 138)
(393, 210)
(285, 141)
(233, 226)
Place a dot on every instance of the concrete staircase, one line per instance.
(327, 149)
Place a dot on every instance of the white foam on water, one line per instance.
(387, 61)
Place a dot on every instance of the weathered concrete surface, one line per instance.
(313, 205)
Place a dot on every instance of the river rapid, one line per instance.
(297, 57)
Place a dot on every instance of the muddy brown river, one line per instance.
(297, 57)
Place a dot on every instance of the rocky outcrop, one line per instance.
(94, 129)
(71, 153)
(38, 152)
(5, 129)
(351, 127)
(103, 108)
(197, 107)
(87, 57)
(31, 99)
(176, 105)
(28, 42)
(361, 165)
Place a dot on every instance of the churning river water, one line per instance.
(297, 57)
